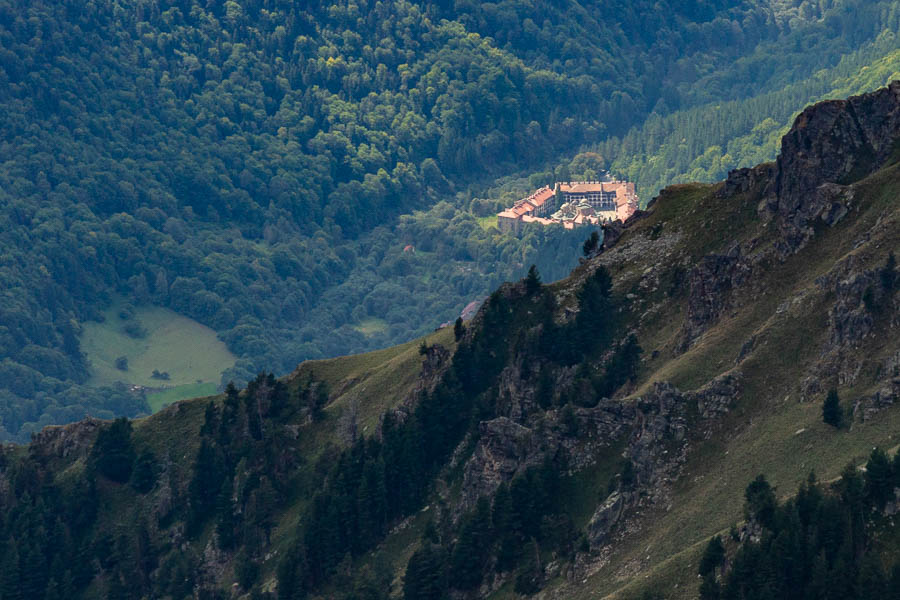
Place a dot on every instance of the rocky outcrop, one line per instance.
(607, 516)
(710, 285)
(837, 141)
(741, 181)
(435, 364)
(859, 311)
(658, 445)
(612, 231)
(516, 394)
(504, 448)
(715, 398)
(63, 441)
(850, 320)
(437, 357)
(831, 145)
(655, 427)
(867, 407)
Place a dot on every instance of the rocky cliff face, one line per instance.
(66, 441)
(831, 144)
(710, 285)
(655, 427)
(809, 188)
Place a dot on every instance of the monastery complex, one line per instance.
(572, 204)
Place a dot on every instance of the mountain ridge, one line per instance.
(259, 167)
(632, 401)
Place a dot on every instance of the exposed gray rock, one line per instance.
(613, 230)
(516, 394)
(866, 408)
(62, 441)
(436, 358)
(849, 319)
(892, 365)
(658, 445)
(435, 364)
(746, 349)
(850, 322)
(715, 398)
(504, 449)
(711, 283)
(741, 181)
(611, 233)
(831, 144)
(606, 517)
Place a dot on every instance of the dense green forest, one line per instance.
(258, 166)
(705, 142)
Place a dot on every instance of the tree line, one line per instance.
(828, 541)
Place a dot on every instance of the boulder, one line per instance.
(605, 518)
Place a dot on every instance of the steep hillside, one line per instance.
(580, 439)
(257, 166)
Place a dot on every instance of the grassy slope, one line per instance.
(190, 352)
(375, 382)
(769, 431)
(160, 400)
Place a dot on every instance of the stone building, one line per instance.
(572, 204)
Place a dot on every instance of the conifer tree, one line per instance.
(871, 581)
(112, 452)
(503, 517)
(205, 484)
(458, 329)
(291, 574)
(709, 588)
(116, 589)
(530, 576)
(33, 570)
(831, 409)
(879, 478)
(895, 468)
(52, 592)
(591, 244)
(225, 521)
(888, 275)
(760, 503)
(210, 419)
(426, 574)
(532, 281)
(230, 414)
(712, 556)
(471, 550)
(143, 477)
(10, 582)
(144, 553)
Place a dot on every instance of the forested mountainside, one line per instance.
(257, 166)
(635, 430)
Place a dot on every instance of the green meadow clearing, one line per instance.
(189, 352)
(371, 326)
